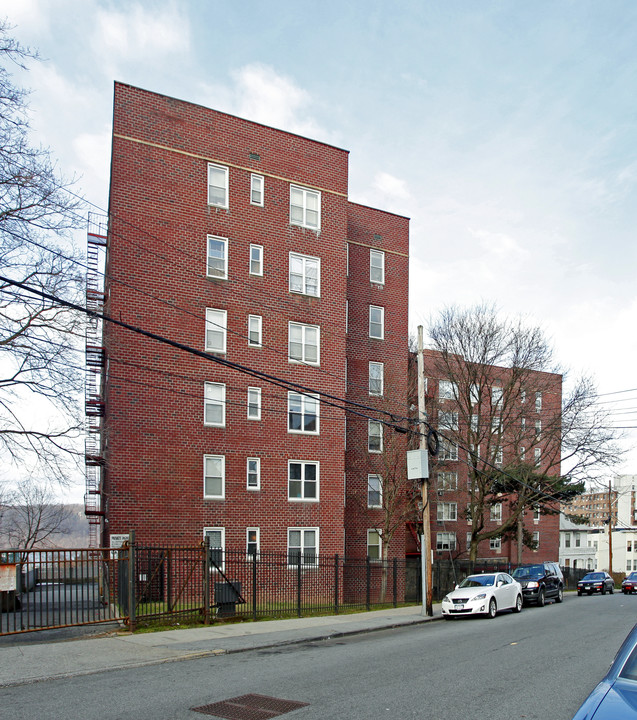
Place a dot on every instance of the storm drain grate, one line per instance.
(250, 707)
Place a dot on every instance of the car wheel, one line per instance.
(493, 608)
(560, 594)
(579, 593)
(541, 600)
(603, 589)
(611, 589)
(518, 604)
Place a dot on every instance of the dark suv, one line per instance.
(540, 581)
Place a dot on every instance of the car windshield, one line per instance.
(593, 576)
(528, 571)
(477, 581)
(632, 576)
(630, 667)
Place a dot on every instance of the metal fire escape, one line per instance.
(95, 367)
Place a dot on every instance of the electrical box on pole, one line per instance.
(417, 464)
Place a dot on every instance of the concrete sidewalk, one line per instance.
(30, 662)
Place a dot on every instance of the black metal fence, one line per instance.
(42, 589)
(205, 584)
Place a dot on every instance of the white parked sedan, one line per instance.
(483, 594)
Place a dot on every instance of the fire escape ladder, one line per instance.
(95, 364)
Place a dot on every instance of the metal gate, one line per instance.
(45, 589)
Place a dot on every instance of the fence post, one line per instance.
(254, 586)
(169, 585)
(368, 572)
(336, 584)
(206, 580)
(395, 581)
(131, 581)
(298, 585)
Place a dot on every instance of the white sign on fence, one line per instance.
(118, 540)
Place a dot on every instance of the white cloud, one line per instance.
(138, 34)
(261, 94)
(392, 187)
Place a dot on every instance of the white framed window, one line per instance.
(256, 260)
(217, 545)
(255, 330)
(496, 424)
(214, 413)
(468, 541)
(376, 378)
(445, 541)
(374, 491)
(217, 264)
(447, 390)
(304, 343)
(537, 455)
(567, 540)
(216, 330)
(628, 565)
(523, 424)
(496, 396)
(538, 429)
(446, 511)
(303, 546)
(214, 476)
(474, 394)
(474, 423)
(498, 456)
(303, 480)
(538, 402)
(256, 189)
(522, 396)
(253, 542)
(305, 207)
(217, 185)
(254, 403)
(376, 322)
(374, 436)
(377, 267)
(303, 413)
(495, 544)
(536, 540)
(536, 514)
(495, 512)
(253, 473)
(448, 420)
(374, 544)
(522, 453)
(578, 539)
(447, 450)
(305, 275)
(447, 481)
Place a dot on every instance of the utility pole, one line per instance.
(426, 525)
(610, 530)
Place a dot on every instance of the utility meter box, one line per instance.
(417, 464)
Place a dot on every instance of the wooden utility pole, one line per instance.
(426, 524)
(610, 530)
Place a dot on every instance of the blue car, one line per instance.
(615, 698)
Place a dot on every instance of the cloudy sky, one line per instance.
(506, 131)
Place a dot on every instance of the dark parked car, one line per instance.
(615, 698)
(593, 582)
(540, 581)
(629, 585)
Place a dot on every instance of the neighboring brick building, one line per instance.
(502, 424)
(235, 238)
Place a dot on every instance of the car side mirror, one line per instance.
(457, 586)
(500, 583)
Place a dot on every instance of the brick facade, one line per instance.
(165, 155)
(449, 477)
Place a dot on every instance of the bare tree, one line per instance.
(32, 518)
(40, 377)
(500, 410)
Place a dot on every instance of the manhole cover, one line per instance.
(250, 707)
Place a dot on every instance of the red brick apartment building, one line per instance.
(502, 423)
(238, 239)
